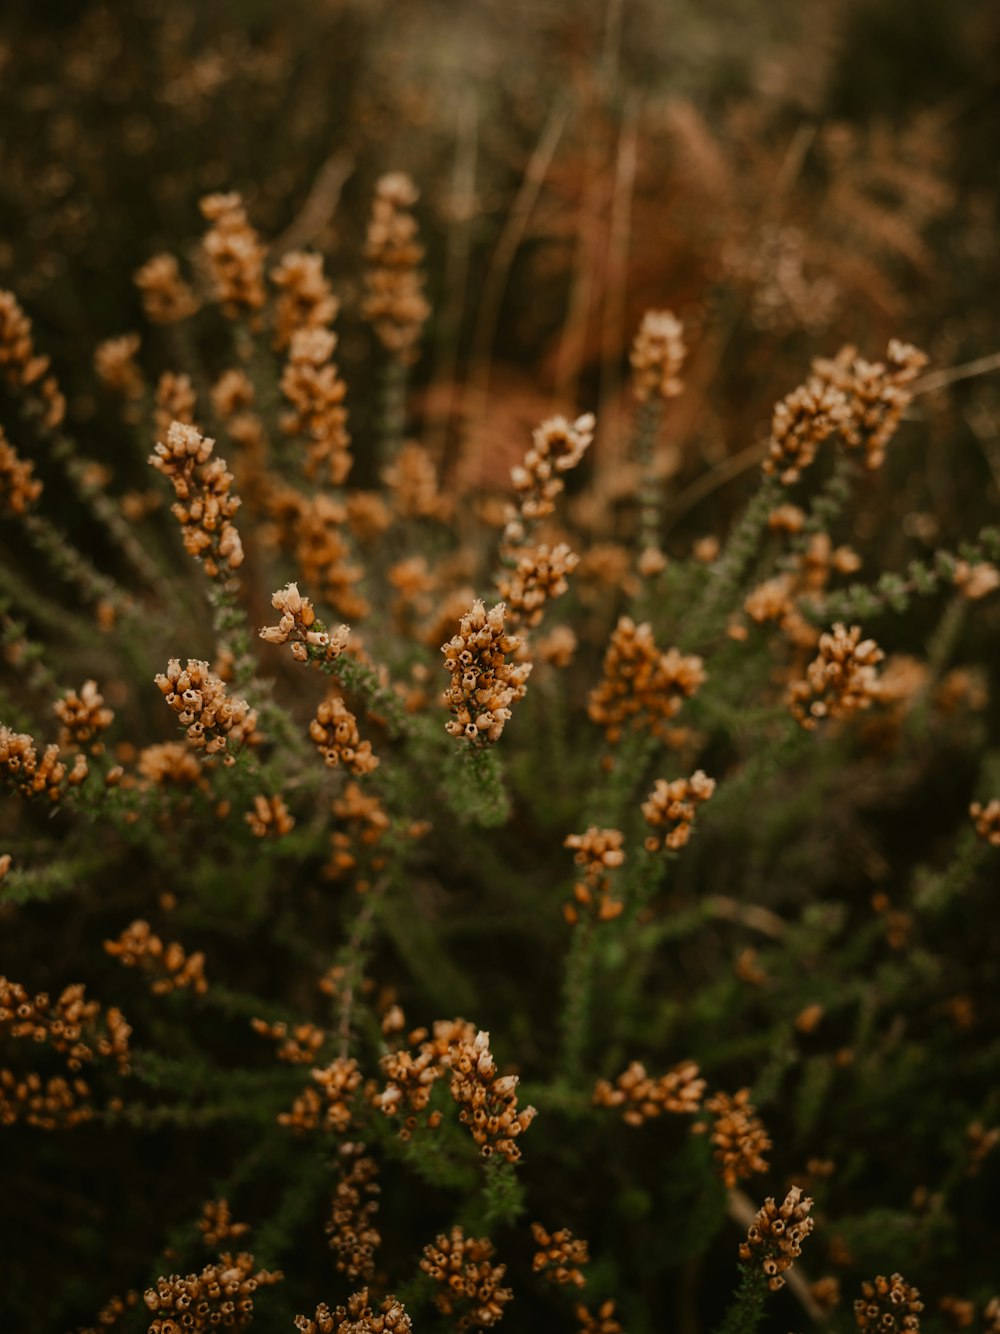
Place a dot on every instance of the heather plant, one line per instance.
(440, 897)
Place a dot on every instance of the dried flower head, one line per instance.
(657, 355)
(331, 1108)
(674, 806)
(210, 717)
(234, 256)
(25, 371)
(174, 400)
(305, 299)
(597, 851)
(841, 680)
(312, 385)
(888, 1306)
(298, 1045)
(538, 575)
(395, 305)
(116, 368)
(468, 1282)
(601, 1321)
(71, 1025)
(560, 1255)
(679, 1091)
(19, 489)
(483, 683)
(488, 1101)
(557, 447)
(217, 1226)
(298, 623)
(413, 481)
(357, 1317)
(205, 501)
(84, 717)
(876, 394)
(775, 1237)
(335, 731)
(220, 1297)
(987, 820)
(351, 1229)
(738, 1136)
(170, 967)
(801, 422)
(166, 297)
(32, 776)
(643, 687)
(270, 817)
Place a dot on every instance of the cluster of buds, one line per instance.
(270, 817)
(25, 371)
(171, 967)
(55, 1103)
(174, 400)
(395, 305)
(413, 481)
(19, 489)
(299, 625)
(560, 1255)
(657, 355)
(209, 716)
(32, 776)
(334, 731)
(70, 1024)
(411, 1075)
(801, 422)
(642, 687)
(679, 1091)
(597, 851)
(220, 1297)
(298, 1045)
(216, 1225)
(357, 1317)
(234, 256)
(84, 717)
(840, 680)
(487, 1101)
(315, 528)
(468, 1282)
(351, 1229)
(888, 1306)
(673, 806)
(367, 824)
(116, 368)
(537, 576)
(329, 1106)
(987, 820)
(601, 1321)
(166, 297)
(776, 1235)
(557, 447)
(738, 1136)
(483, 684)
(876, 393)
(305, 300)
(313, 386)
(205, 502)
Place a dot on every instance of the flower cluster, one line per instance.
(298, 1045)
(642, 687)
(312, 384)
(888, 1306)
(601, 1321)
(220, 1297)
(334, 731)
(560, 1256)
(557, 447)
(19, 489)
(987, 820)
(216, 1225)
(166, 297)
(22, 368)
(413, 481)
(840, 680)
(487, 1101)
(171, 967)
(84, 717)
(468, 1282)
(234, 256)
(395, 305)
(174, 400)
(55, 1103)
(411, 1076)
(738, 1136)
(776, 1235)
(305, 299)
(270, 817)
(483, 684)
(876, 393)
(116, 367)
(351, 1229)
(674, 806)
(298, 623)
(357, 1317)
(330, 1108)
(33, 777)
(801, 422)
(657, 355)
(210, 717)
(367, 824)
(680, 1091)
(538, 575)
(597, 851)
(70, 1024)
(205, 502)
